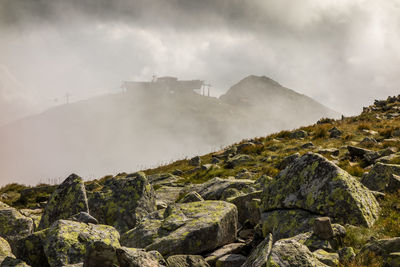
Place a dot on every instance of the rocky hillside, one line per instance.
(322, 195)
(125, 131)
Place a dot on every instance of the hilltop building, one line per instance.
(167, 84)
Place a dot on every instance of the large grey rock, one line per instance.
(287, 161)
(329, 258)
(369, 156)
(191, 197)
(259, 256)
(100, 253)
(68, 200)
(215, 188)
(168, 194)
(132, 257)
(84, 217)
(14, 225)
(381, 247)
(380, 174)
(231, 260)
(299, 134)
(187, 261)
(288, 252)
(123, 201)
(30, 249)
(188, 228)
(13, 262)
(314, 184)
(66, 241)
(238, 160)
(248, 210)
(5, 249)
(233, 248)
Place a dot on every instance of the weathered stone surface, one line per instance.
(168, 194)
(334, 133)
(298, 134)
(84, 217)
(163, 179)
(238, 160)
(30, 249)
(214, 188)
(66, 241)
(233, 248)
(329, 258)
(248, 210)
(68, 200)
(188, 228)
(323, 228)
(286, 223)
(187, 261)
(195, 161)
(346, 255)
(14, 225)
(393, 184)
(191, 197)
(314, 184)
(367, 155)
(13, 262)
(123, 201)
(100, 253)
(287, 161)
(132, 257)
(230, 260)
(378, 178)
(259, 256)
(288, 252)
(5, 249)
(35, 215)
(393, 259)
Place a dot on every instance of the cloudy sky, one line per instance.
(342, 53)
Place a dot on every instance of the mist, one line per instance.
(343, 54)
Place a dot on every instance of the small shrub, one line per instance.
(283, 134)
(325, 121)
(321, 132)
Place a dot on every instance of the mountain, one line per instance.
(327, 194)
(141, 128)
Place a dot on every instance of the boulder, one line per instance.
(187, 228)
(394, 184)
(244, 147)
(259, 256)
(381, 247)
(238, 160)
(167, 179)
(307, 145)
(329, 258)
(195, 161)
(84, 217)
(68, 200)
(298, 134)
(248, 210)
(66, 241)
(5, 249)
(323, 228)
(335, 133)
(100, 253)
(191, 197)
(133, 257)
(14, 225)
(346, 255)
(393, 259)
(168, 194)
(13, 262)
(215, 188)
(233, 248)
(123, 201)
(288, 252)
(186, 261)
(231, 260)
(287, 161)
(369, 156)
(314, 184)
(378, 177)
(30, 249)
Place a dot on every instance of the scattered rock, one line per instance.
(195, 161)
(287, 161)
(259, 256)
(168, 194)
(84, 217)
(66, 241)
(335, 133)
(329, 151)
(233, 248)
(100, 253)
(369, 156)
(188, 228)
(30, 249)
(298, 134)
(394, 184)
(368, 141)
(329, 258)
(248, 210)
(307, 145)
(14, 225)
(323, 227)
(238, 160)
(244, 174)
(393, 259)
(378, 177)
(186, 261)
(133, 257)
(214, 188)
(382, 247)
(346, 255)
(123, 201)
(231, 260)
(191, 197)
(314, 184)
(5, 250)
(167, 179)
(68, 200)
(13, 262)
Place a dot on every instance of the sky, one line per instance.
(342, 53)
